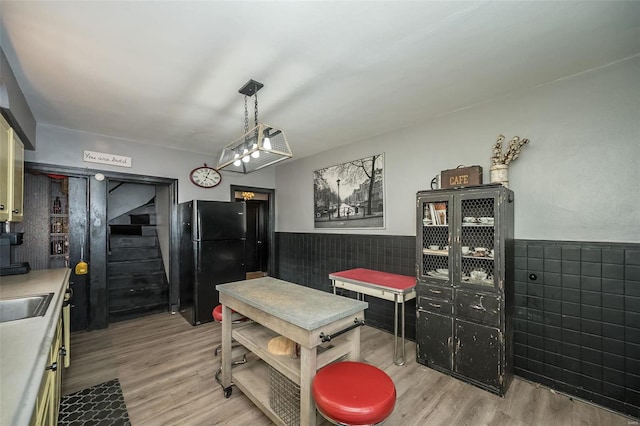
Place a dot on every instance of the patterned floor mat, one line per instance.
(99, 405)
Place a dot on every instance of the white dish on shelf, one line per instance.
(478, 275)
(486, 220)
(442, 271)
(469, 219)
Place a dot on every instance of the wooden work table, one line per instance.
(299, 313)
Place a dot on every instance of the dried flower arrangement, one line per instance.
(513, 152)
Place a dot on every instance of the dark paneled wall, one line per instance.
(35, 247)
(577, 319)
(577, 313)
(308, 259)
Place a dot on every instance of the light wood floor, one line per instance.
(166, 368)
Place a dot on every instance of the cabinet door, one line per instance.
(4, 169)
(16, 190)
(478, 350)
(434, 238)
(478, 242)
(434, 335)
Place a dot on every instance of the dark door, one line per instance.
(78, 250)
(434, 339)
(216, 262)
(257, 250)
(218, 220)
(478, 352)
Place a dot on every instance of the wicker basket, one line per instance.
(284, 397)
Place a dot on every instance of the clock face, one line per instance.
(205, 177)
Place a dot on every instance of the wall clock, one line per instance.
(205, 176)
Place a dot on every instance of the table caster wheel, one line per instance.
(227, 392)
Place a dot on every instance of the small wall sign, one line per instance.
(103, 158)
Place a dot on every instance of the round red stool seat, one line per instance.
(354, 393)
(217, 315)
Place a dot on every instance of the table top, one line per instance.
(299, 305)
(392, 282)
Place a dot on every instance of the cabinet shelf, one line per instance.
(435, 252)
(478, 257)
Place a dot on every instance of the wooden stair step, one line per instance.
(117, 241)
(138, 311)
(134, 253)
(134, 266)
(136, 280)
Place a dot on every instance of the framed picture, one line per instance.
(350, 195)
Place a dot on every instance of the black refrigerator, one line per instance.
(212, 251)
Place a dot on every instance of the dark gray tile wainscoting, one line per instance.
(577, 319)
(308, 259)
(577, 305)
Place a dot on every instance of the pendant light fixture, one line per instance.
(259, 147)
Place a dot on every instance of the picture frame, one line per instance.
(350, 194)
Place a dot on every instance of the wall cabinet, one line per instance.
(465, 284)
(11, 174)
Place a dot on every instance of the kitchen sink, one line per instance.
(24, 307)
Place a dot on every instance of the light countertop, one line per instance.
(302, 306)
(24, 344)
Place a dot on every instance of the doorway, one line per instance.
(88, 236)
(260, 219)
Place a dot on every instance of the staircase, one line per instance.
(137, 283)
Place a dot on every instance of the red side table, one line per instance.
(383, 285)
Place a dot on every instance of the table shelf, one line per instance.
(252, 379)
(255, 338)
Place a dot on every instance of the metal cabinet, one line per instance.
(465, 284)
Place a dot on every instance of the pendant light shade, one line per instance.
(262, 146)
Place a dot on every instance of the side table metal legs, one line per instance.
(396, 360)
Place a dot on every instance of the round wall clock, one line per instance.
(205, 176)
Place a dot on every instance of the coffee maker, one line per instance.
(7, 267)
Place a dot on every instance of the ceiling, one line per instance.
(167, 73)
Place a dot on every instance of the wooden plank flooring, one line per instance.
(166, 369)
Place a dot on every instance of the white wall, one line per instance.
(65, 147)
(578, 179)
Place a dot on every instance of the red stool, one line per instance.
(354, 393)
(236, 318)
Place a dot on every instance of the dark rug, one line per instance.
(100, 405)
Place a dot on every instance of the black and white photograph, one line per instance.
(350, 195)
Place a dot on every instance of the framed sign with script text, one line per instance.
(103, 158)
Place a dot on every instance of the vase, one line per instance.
(499, 173)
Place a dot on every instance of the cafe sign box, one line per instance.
(461, 177)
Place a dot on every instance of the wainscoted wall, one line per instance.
(577, 313)
(309, 258)
(577, 319)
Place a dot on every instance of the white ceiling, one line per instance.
(168, 72)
